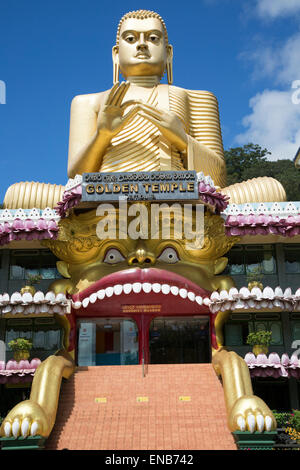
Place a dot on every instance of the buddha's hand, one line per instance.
(250, 413)
(112, 117)
(168, 123)
(25, 419)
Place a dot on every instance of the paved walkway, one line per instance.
(175, 407)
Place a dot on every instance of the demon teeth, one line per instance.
(146, 286)
(127, 288)
(118, 289)
(101, 294)
(137, 287)
(156, 287)
(165, 288)
(183, 293)
(174, 290)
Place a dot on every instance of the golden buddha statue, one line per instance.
(143, 125)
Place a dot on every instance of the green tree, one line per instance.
(250, 161)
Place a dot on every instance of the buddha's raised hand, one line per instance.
(111, 118)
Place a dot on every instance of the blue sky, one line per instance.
(244, 51)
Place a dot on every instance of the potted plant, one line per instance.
(31, 281)
(259, 341)
(255, 277)
(21, 348)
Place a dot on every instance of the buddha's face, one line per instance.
(142, 48)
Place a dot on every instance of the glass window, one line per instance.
(251, 259)
(27, 263)
(292, 259)
(237, 329)
(44, 333)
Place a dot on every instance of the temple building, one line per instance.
(138, 283)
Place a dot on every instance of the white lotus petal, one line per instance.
(224, 295)
(174, 290)
(93, 297)
(38, 297)
(5, 298)
(251, 423)
(241, 423)
(268, 421)
(16, 298)
(45, 308)
(50, 296)
(127, 288)
(233, 293)
(199, 299)
(206, 301)
(15, 428)
(156, 287)
(7, 309)
(191, 295)
(260, 423)
(25, 427)
(7, 429)
(183, 293)
(118, 289)
(146, 286)
(85, 302)
(109, 291)
(215, 296)
(27, 298)
(60, 297)
(19, 309)
(245, 293)
(136, 287)
(34, 428)
(287, 293)
(30, 309)
(101, 294)
(55, 309)
(278, 292)
(165, 288)
(268, 293)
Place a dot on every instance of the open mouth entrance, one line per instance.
(163, 340)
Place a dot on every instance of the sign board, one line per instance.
(140, 186)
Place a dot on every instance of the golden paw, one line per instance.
(25, 419)
(250, 413)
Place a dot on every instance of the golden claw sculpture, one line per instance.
(37, 415)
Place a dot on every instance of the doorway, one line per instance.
(179, 340)
(107, 341)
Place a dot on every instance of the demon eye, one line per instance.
(169, 255)
(113, 256)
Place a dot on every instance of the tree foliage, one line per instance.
(251, 161)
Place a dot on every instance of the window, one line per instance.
(240, 325)
(292, 259)
(44, 333)
(26, 263)
(252, 259)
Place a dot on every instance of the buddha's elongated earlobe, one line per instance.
(169, 65)
(116, 67)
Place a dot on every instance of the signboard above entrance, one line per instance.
(140, 186)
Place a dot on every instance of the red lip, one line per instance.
(168, 292)
(150, 275)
